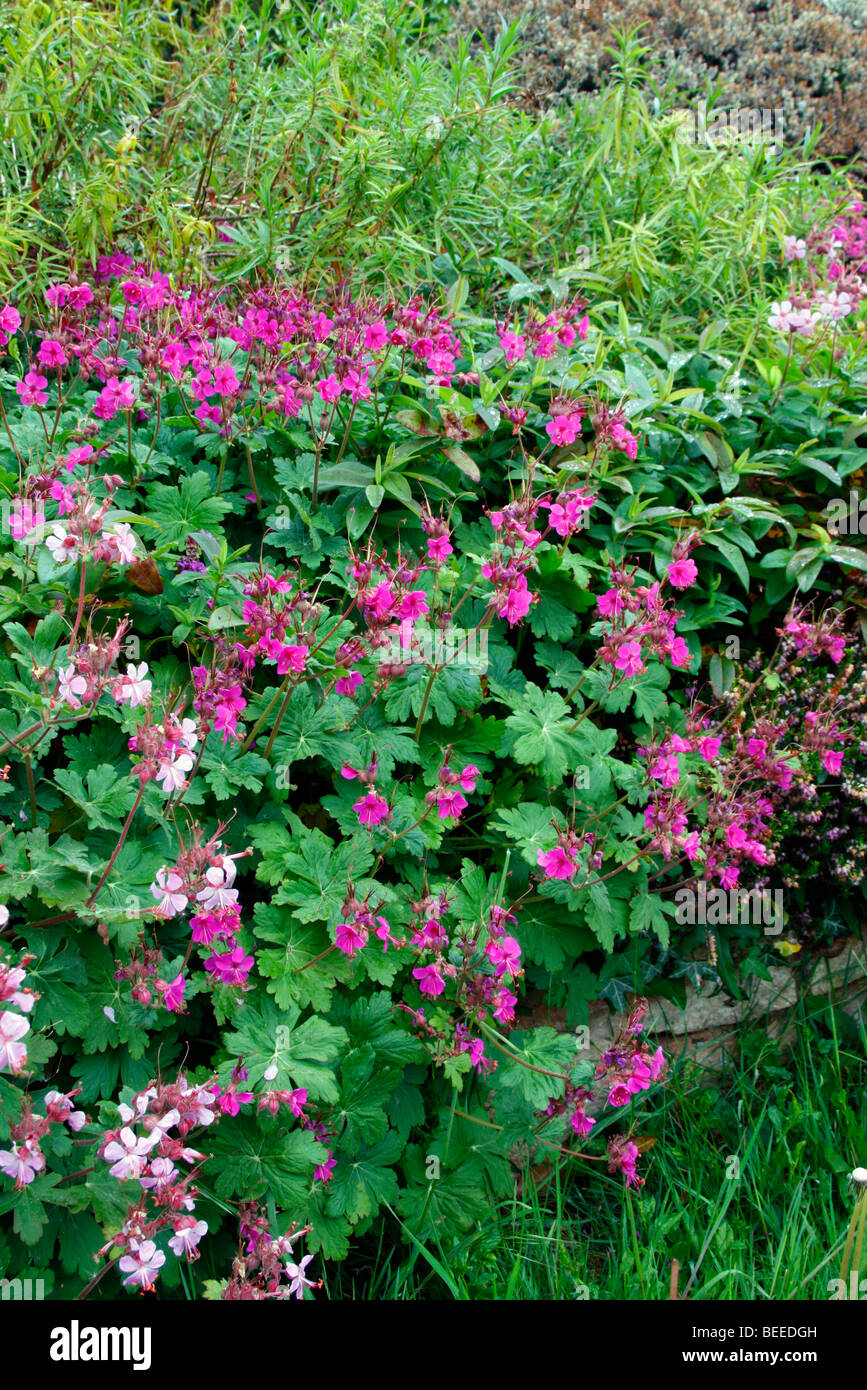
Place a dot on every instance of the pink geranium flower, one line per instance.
(371, 809)
(142, 1265)
(628, 659)
(450, 803)
(350, 938)
(556, 863)
(682, 573)
(13, 1053)
(430, 981)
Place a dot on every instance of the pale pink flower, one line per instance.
(167, 891)
(133, 687)
(121, 538)
(22, 1162)
(142, 1265)
(299, 1280)
(188, 1233)
(25, 518)
(70, 686)
(172, 772)
(128, 1153)
(13, 1053)
(61, 544)
(218, 890)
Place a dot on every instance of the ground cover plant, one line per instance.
(335, 674)
(410, 582)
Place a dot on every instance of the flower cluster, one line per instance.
(266, 1266)
(829, 276)
(203, 877)
(640, 622)
(25, 1159)
(13, 1027)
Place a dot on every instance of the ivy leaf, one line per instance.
(371, 1020)
(606, 914)
(529, 825)
(366, 1088)
(249, 1160)
(303, 1052)
(289, 969)
(646, 914)
(361, 1184)
(307, 731)
(189, 507)
(543, 1048)
(106, 798)
(539, 733)
(227, 770)
(649, 699)
(312, 874)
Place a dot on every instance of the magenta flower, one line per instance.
(619, 1094)
(505, 954)
(682, 573)
(736, 836)
(439, 548)
(323, 1171)
(375, 336)
(564, 429)
(173, 994)
(225, 380)
(430, 981)
(329, 388)
(414, 604)
(32, 389)
(347, 685)
(350, 939)
(833, 761)
(450, 803)
(10, 319)
(556, 863)
(371, 809)
(504, 1005)
(610, 604)
(468, 777)
(230, 968)
(513, 345)
(628, 659)
(51, 354)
